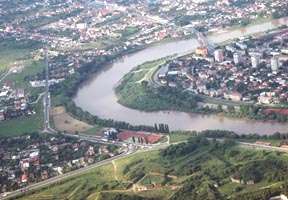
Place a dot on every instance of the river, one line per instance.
(97, 94)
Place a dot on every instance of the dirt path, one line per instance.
(115, 170)
(159, 174)
(73, 192)
(147, 75)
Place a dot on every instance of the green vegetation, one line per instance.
(18, 54)
(83, 186)
(129, 31)
(180, 136)
(136, 91)
(12, 51)
(63, 93)
(197, 169)
(96, 130)
(24, 124)
(133, 90)
(20, 80)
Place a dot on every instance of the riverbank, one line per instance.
(139, 90)
(107, 107)
(136, 90)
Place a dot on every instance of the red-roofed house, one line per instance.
(281, 111)
(139, 137)
(24, 178)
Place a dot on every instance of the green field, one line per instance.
(138, 90)
(86, 186)
(32, 123)
(12, 51)
(30, 68)
(101, 183)
(134, 92)
(21, 125)
(179, 136)
(96, 130)
(199, 169)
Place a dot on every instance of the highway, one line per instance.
(67, 175)
(46, 98)
(131, 150)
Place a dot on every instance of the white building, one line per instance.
(281, 197)
(275, 63)
(255, 60)
(219, 55)
(237, 58)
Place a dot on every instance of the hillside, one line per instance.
(198, 169)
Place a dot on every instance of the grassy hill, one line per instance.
(198, 169)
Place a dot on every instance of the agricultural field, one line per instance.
(64, 122)
(198, 169)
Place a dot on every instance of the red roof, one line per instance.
(24, 178)
(149, 137)
(280, 111)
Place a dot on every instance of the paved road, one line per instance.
(46, 98)
(263, 147)
(132, 149)
(67, 175)
(257, 146)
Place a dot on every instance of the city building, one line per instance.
(255, 60)
(219, 55)
(2, 116)
(201, 51)
(237, 58)
(139, 137)
(275, 63)
(281, 197)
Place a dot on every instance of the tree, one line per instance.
(144, 84)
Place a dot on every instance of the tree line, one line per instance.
(91, 119)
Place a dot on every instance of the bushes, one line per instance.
(197, 187)
(175, 151)
(121, 196)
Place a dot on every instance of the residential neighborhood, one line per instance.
(143, 99)
(78, 33)
(34, 157)
(14, 102)
(250, 70)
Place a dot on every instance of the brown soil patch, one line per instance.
(63, 121)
